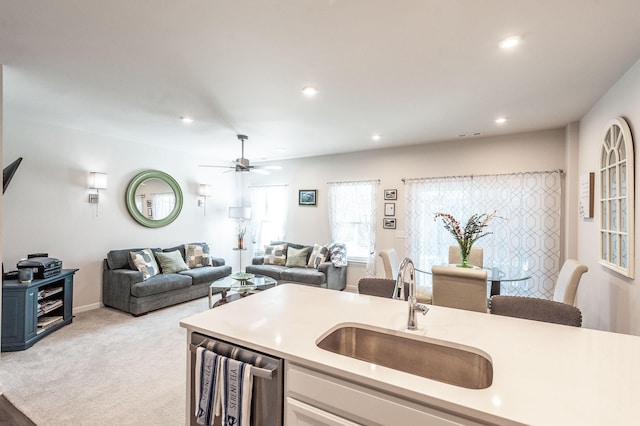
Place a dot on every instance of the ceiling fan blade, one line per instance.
(211, 165)
(259, 171)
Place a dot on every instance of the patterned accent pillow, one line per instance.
(171, 262)
(275, 255)
(145, 262)
(297, 257)
(197, 255)
(318, 255)
(338, 254)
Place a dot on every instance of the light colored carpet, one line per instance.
(106, 368)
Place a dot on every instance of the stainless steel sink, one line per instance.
(448, 364)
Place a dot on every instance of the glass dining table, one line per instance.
(496, 274)
(499, 274)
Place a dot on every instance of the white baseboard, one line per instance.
(84, 308)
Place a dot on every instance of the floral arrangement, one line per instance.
(242, 229)
(472, 231)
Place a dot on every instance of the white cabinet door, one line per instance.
(300, 414)
(347, 400)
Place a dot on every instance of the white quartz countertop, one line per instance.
(543, 374)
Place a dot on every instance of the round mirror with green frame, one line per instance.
(154, 198)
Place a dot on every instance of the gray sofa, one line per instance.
(124, 288)
(326, 275)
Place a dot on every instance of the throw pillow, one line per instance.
(297, 257)
(275, 255)
(171, 262)
(318, 255)
(197, 255)
(145, 262)
(338, 254)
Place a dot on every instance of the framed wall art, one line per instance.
(617, 199)
(389, 223)
(390, 194)
(307, 197)
(389, 209)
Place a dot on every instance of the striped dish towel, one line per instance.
(207, 386)
(236, 390)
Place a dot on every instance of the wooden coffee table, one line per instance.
(238, 287)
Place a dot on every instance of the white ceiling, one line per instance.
(415, 71)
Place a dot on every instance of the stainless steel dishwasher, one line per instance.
(268, 380)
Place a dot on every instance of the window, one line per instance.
(527, 237)
(269, 208)
(352, 218)
(617, 199)
(163, 203)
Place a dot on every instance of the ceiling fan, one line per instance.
(243, 165)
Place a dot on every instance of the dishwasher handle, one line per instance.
(264, 371)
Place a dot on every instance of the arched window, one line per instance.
(617, 199)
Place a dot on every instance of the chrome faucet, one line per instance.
(398, 292)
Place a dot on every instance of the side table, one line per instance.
(239, 250)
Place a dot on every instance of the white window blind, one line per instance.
(269, 208)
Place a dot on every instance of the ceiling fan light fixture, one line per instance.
(243, 164)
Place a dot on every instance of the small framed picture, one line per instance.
(307, 197)
(389, 223)
(389, 209)
(390, 194)
(150, 211)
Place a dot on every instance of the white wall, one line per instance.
(608, 300)
(46, 207)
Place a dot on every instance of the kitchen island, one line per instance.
(543, 374)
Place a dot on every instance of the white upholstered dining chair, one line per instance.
(567, 283)
(461, 288)
(391, 263)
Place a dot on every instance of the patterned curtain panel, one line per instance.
(525, 233)
(352, 219)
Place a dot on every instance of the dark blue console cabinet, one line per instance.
(32, 311)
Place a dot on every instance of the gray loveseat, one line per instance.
(124, 287)
(325, 275)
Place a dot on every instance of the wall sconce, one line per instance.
(204, 191)
(97, 181)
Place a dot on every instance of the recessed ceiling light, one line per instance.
(510, 42)
(376, 137)
(310, 91)
(501, 120)
(186, 120)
